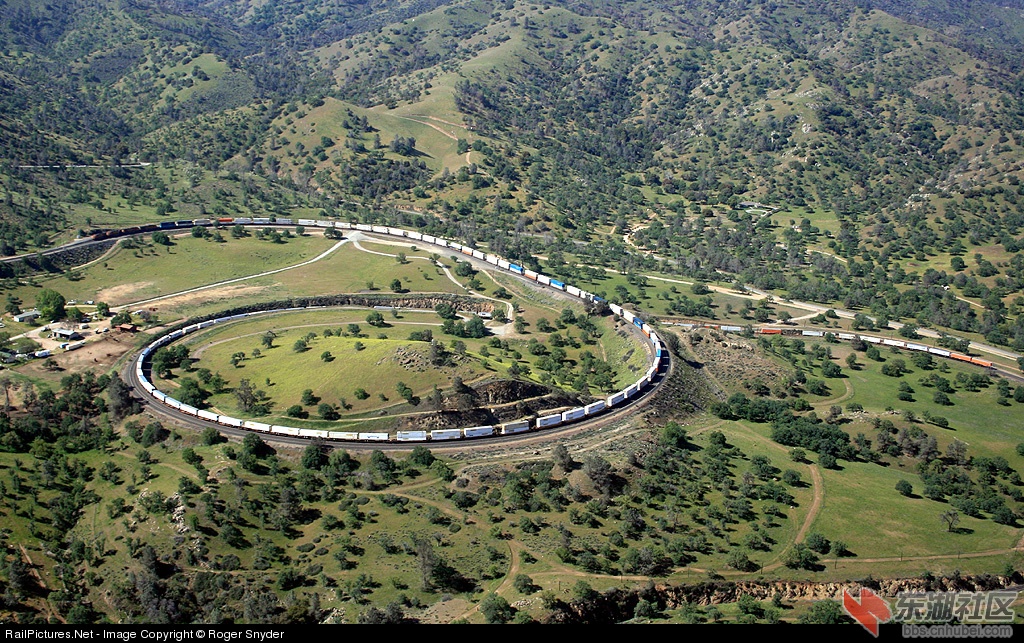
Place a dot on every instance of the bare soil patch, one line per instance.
(122, 292)
(98, 355)
(222, 293)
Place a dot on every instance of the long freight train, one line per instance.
(659, 351)
(635, 390)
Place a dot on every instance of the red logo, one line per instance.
(869, 611)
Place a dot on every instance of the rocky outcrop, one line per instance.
(617, 605)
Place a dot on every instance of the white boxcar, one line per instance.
(616, 398)
(531, 274)
(515, 427)
(616, 309)
(230, 421)
(342, 435)
(416, 235)
(284, 430)
(478, 431)
(544, 279)
(446, 434)
(256, 426)
(549, 420)
(374, 437)
(380, 229)
(596, 407)
(872, 340)
(503, 264)
(206, 415)
(573, 414)
(573, 290)
(312, 433)
(847, 336)
(630, 391)
(411, 436)
(309, 222)
(363, 227)
(191, 410)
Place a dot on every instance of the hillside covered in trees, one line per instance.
(884, 136)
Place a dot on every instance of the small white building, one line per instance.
(27, 315)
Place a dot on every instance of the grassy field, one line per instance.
(974, 417)
(377, 368)
(352, 270)
(127, 275)
(860, 504)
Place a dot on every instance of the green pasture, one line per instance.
(990, 429)
(129, 275)
(373, 368)
(863, 508)
(350, 270)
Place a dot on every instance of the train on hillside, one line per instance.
(658, 364)
(882, 341)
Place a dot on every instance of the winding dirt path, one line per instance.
(819, 498)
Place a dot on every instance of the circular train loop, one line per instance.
(642, 387)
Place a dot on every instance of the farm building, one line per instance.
(28, 315)
(66, 334)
